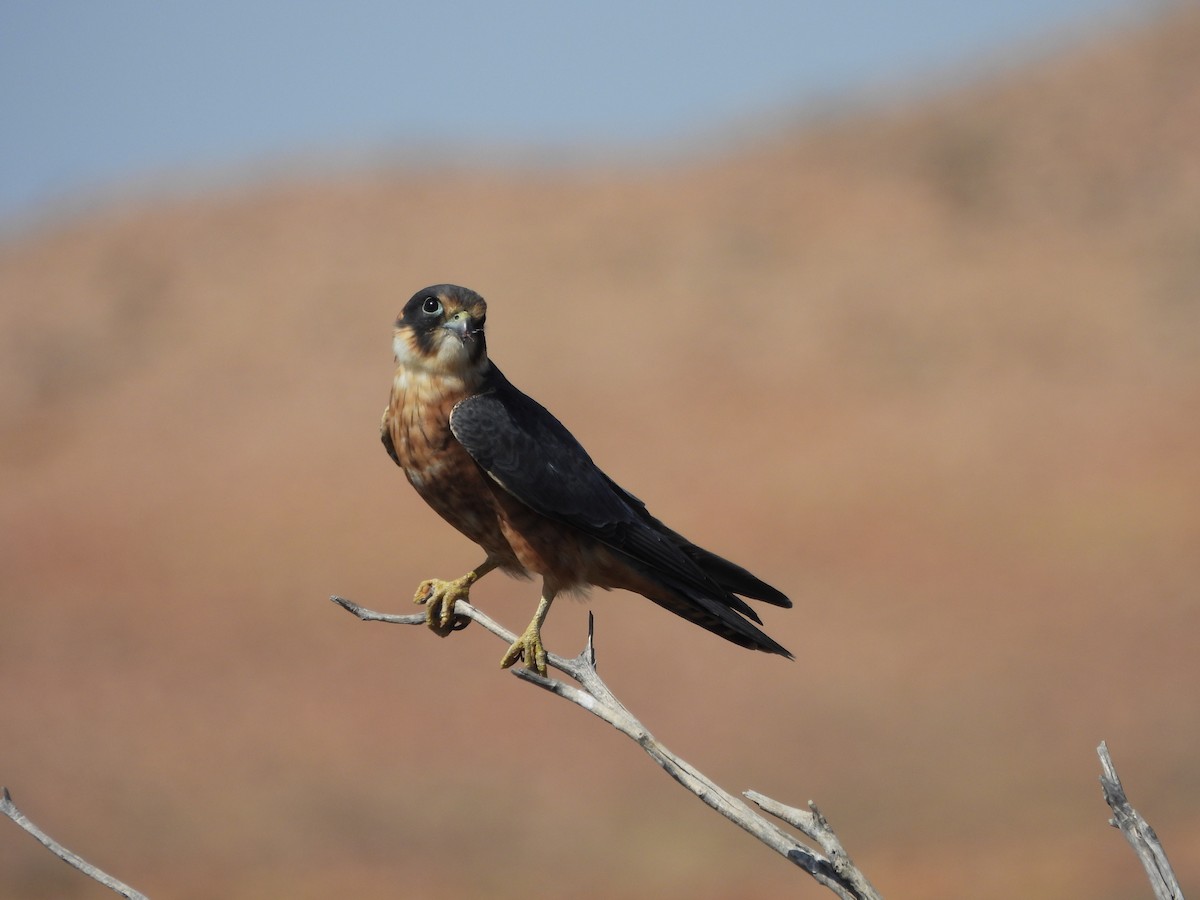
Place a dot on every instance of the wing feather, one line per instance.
(529, 453)
(534, 457)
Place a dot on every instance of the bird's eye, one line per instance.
(432, 306)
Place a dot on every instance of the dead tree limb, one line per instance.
(1137, 831)
(10, 809)
(833, 869)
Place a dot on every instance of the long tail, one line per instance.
(710, 598)
(733, 577)
(716, 616)
(728, 575)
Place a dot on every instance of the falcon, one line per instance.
(501, 469)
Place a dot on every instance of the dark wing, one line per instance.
(728, 575)
(530, 454)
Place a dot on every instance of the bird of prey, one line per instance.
(501, 469)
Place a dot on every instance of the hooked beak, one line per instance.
(462, 325)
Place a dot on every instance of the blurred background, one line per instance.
(901, 309)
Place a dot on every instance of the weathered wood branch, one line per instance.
(833, 869)
(812, 824)
(10, 809)
(1137, 831)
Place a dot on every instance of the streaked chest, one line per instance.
(419, 422)
(437, 465)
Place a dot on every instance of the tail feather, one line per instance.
(733, 577)
(716, 613)
(722, 621)
(707, 596)
(728, 575)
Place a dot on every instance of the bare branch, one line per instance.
(10, 809)
(1137, 831)
(812, 824)
(834, 871)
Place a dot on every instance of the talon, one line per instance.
(529, 645)
(438, 597)
(512, 655)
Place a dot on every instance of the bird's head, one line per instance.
(440, 330)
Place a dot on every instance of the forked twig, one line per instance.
(835, 870)
(10, 809)
(1137, 831)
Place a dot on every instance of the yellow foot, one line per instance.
(438, 597)
(529, 645)
(529, 648)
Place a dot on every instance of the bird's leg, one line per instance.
(529, 645)
(439, 598)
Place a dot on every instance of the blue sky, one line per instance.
(96, 94)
